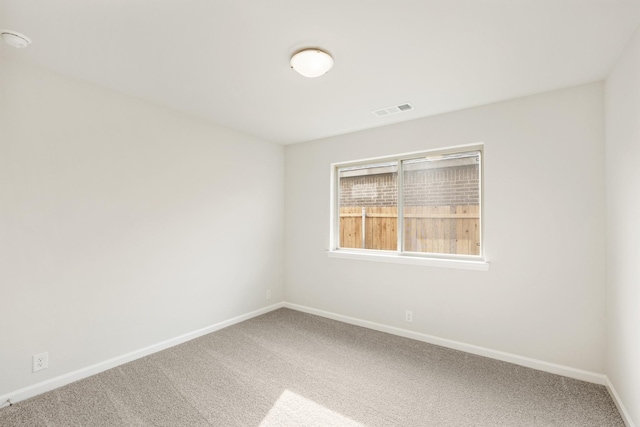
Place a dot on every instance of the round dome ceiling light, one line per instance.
(15, 39)
(311, 62)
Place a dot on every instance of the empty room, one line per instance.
(337, 213)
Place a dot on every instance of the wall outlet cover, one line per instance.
(40, 361)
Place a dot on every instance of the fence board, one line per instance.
(462, 247)
(428, 229)
(475, 231)
(409, 227)
(351, 227)
(443, 245)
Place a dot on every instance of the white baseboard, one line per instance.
(540, 365)
(53, 383)
(616, 399)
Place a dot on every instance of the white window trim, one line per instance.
(396, 258)
(470, 262)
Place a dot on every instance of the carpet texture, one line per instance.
(287, 368)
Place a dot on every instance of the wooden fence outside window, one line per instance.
(428, 229)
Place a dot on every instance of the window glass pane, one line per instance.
(442, 204)
(368, 205)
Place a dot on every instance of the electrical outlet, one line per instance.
(269, 294)
(40, 361)
(408, 316)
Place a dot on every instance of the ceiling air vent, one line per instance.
(394, 109)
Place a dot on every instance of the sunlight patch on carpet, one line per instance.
(292, 409)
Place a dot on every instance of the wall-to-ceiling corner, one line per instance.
(124, 224)
(622, 153)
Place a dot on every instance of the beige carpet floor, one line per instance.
(287, 368)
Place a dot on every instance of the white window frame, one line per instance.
(466, 262)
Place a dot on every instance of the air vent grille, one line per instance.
(394, 109)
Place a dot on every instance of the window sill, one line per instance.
(413, 260)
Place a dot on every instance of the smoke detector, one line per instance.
(15, 39)
(394, 109)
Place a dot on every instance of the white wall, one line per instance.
(543, 296)
(623, 226)
(123, 224)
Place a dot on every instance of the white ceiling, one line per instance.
(228, 60)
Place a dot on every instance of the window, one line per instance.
(424, 205)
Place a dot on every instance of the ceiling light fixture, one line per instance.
(15, 39)
(311, 62)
